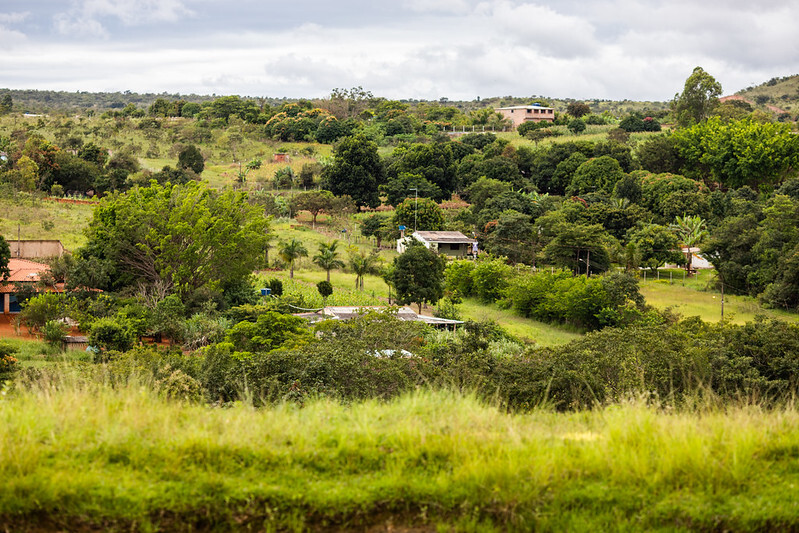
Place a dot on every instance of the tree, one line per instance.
(111, 334)
(596, 174)
(409, 186)
(190, 158)
(422, 213)
(691, 230)
(699, 96)
(738, 153)
(291, 251)
(356, 171)
(187, 237)
(576, 126)
(363, 263)
(6, 103)
(658, 154)
(432, 162)
(483, 190)
(419, 276)
(579, 247)
(325, 289)
(375, 225)
(578, 109)
(656, 245)
(270, 331)
(327, 258)
(511, 236)
(5, 257)
(314, 202)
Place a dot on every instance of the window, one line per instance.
(455, 247)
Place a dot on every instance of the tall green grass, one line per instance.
(78, 454)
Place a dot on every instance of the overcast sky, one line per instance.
(427, 49)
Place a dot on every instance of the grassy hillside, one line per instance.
(31, 217)
(781, 93)
(86, 457)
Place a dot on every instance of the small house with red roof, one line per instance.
(21, 271)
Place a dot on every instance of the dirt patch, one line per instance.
(7, 329)
(70, 200)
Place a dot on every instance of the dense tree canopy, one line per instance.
(356, 170)
(186, 237)
(740, 152)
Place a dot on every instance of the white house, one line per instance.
(449, 243)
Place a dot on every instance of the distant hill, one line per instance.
(778, 95)
(35, 101)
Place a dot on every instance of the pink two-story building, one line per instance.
(519, 114)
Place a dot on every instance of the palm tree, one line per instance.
(290, 252)
(691, 230)
(362, 263)
(327, 258)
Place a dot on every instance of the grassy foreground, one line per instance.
(85, 457)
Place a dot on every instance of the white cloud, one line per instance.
(133, 12)
(13, 18)
(636, 49)
(85, 17)
(10, 38)
(438, 6)
(538, 27)
(71, 26)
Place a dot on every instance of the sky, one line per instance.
(403, 49)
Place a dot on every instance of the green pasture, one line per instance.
(707, 304)
(540, 333)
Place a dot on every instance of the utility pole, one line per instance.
(588, 265)
(415, 205)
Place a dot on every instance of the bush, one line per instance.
(590, 303)
(325, 288)
(54, 333)
(490, 278)
(111, 334)
(41, 309)
(458, 277)
(8, 361)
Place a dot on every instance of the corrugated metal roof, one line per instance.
(455, 237)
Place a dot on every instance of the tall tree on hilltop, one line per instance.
(699, 96)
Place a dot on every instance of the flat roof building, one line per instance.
(519, 114)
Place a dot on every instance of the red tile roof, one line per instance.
(23, 271)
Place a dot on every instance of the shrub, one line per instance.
(54, 333)
(111, 334)
(490, 278)
(175, 384)
(8, 361)
(458, 277)
(41, 309)
(325, 288)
